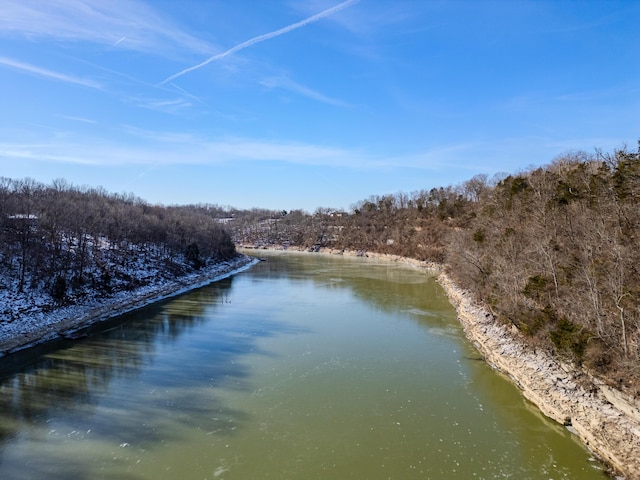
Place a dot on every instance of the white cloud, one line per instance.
(174, 105)
(136, 146)
(128, 25)
(167, 148)
(50, 74)
(288, 84)
(144, 147)
(77, 119)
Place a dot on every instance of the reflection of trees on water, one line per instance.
(74, 377)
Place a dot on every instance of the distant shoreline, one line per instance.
(77, 317)
(605, 420)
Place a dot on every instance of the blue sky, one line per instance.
(287, 104)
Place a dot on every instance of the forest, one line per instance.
(73, 241)
(553, 251)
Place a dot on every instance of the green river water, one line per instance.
(303, 367)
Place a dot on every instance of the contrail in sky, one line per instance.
(183, 91)
(118, 42)
(266, 36)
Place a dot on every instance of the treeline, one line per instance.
(554, 251)
(62, 239)
(414, 225)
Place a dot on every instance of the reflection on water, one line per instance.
(302, 367)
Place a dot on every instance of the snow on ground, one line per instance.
(32, 316)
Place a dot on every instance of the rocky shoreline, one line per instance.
(68, 321)
(604, 419)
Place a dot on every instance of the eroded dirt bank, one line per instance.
(605, 420)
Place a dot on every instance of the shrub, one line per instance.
(59, 289)
(569, 337)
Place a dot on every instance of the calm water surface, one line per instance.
(303, 367)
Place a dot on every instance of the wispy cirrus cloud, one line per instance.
(287, 84)
(187, 148)
(267, 36)
(49, 74)
(173, 105)
(129, 25)
(78, 119)
(132, 145)
(141, 147)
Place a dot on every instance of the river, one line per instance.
(306, 366)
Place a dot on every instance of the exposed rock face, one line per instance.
(606, 420)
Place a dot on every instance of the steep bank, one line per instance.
(37, 326)
(604, 419)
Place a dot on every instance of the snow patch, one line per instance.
(32, 317)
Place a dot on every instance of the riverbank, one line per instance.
(605, 420)
(38, 326)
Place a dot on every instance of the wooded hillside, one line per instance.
(67, 240)
(555, 251)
